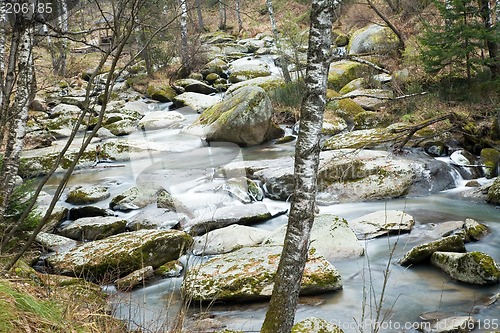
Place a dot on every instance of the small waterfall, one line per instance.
(455, 173)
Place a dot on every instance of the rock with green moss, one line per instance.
(198, 102)
(243, 189)
(472, 267)
(87, 194)
(315, 325)
(372, 99)
(122, 127)
(374, 38)
(494, 192)
(268, 83)
(340, 39)
(171, 269)
(369, 138)
(344, 108)
(161, 119)
(212, 77)
(367, 120)
(286, 139)
(134, 198)
(225, 216)
(423, 253)
(382, 222)
(119, 255)
(331, 236)
(55, 243)
(333, 126)
(217, 66)
(161, 93)
(191, 85)
(243, 118)
(248, 274)
(93, 228)
(247, 68)
(353, 85)
(228, 239)
(343, 72)
(136, 278)
(490, 159)
(475, 230)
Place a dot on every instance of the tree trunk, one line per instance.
(283, 64)
(2, 62)
(184, 39)
(389, 24)
(238, 16)
(492, 43)
(201, 26)
(18, 115)
(281, 313)
(222, 15)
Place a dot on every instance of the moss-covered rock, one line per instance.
(471, 267)
(191, 85)
(243, 118)
(217, 66)
(93, 228)
(161, 93)
(382, 223)
(268, 83)
(423, 253)
(122, 127)
(340, 39)
(353, 85)
(343, 72)
(248, 274)
(121, 254)
(474, 230)
(494, 192)
(344, 108)
(372, 99)
(135, 278)
(172, 268)
(212, 77)
(367, 120)
(87, 194)
(490, 158)
(373, 39)
(315, 325)
(198, 102)
(134, 198)
(246, 69)
(161, 119)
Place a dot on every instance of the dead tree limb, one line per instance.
(338, 98)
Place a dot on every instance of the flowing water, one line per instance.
(187, 168)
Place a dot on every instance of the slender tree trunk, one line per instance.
(184, 39)
(18, 116)
(492, 44)
(2, 62)
(389, 24)
(283, 64)
(222, 15)
(281, 313)
(201, 26)
(238, 15)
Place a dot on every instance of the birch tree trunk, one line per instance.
(184, 39)
(2, 57)
(281, 313)
(238, 16)
(16, 124)
(58, 49)
(283, 64)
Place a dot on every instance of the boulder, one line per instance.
(422, 253)
(472, 267)
(494, 192)
(248, 274)
(226, 216)
(134, 198)
(374, 38)
(474, 230)
(246, 69)
(88, 211)
(195, 86)
(382, 222)
(353, 85)
(217, 66)
(55, 243)
(330, 235)
(172, 268)
(228, 239)
(368, 138)
(122, 127)
(161, 119)
(343, 72)
(119, 255)
(155, 218)
(244, 189)
(343, 108)
(315, 325)
(490, 158)
(243, 118)
(198, 102)
(136, 278)
(92, 228)
(160, 93)
(87, 194)
(374, 99)
(268, 83)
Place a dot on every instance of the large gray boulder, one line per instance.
(374, 38)
(494, 192)
(247, 68)
(93, 228)
(225, 216)
(422, 253)
(228, 239)
(471, 267)
(119, 255)
(55, 243)
(267, 83)
(198, 102)
(134, 198)
(87, 194)
(248, 274)
(161, 119)
(243, 118)
(195, 86)
(373, 99)
(382, 222)
(330, 235)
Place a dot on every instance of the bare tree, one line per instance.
(184, 38)
(283, 64)
(487, 15)
(201, 26)
(222, 15)
(281, 313)
(238, 15)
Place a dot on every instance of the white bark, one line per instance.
(270, 10)
(238, 15)
(281, 313)
(283, 61)
(184, 36)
